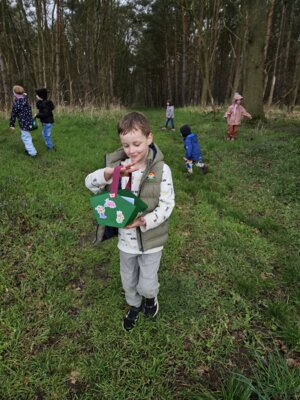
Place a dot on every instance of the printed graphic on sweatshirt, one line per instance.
(151, 176)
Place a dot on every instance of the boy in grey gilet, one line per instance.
(140, 243)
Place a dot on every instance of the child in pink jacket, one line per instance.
(234, 114)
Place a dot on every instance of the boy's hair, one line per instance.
(18, 89)
(133, 121)
(185, 130)
(42, 93)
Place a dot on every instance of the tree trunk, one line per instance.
(49, 49)
(270, 99)
(254, 61)
(197, 84)
(57, 50)
(232, 68)
(296, 82)
(206, 91)
(238, 60)
(209, 36)
(39, 72)
(167, 63)
(267, 41)
(269, 28)
(24, 44)
(176, 68)
(185, 32)
(4, 82)
(285, 87)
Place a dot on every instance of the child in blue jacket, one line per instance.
(192, 150)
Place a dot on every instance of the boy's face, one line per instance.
(135, 145)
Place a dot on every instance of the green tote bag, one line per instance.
(34, 125)
(119, 207)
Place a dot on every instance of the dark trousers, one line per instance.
(172, 122)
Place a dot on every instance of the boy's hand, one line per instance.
(136, 223)
(128, 169)
(125, 171)
(12, 127)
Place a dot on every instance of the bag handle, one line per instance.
(115, 181)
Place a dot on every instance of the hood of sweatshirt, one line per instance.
(237, 96)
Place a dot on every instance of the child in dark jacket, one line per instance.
(45, 114)
(22, 111)
(192, 150)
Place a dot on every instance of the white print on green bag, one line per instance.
(109, 203)
(101, 212)
(120, 217)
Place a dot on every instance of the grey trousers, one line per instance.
(139, 275)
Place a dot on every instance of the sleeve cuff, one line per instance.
(149, 224)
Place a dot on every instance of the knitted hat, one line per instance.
(185, 130)
(18, 89)
(42, 93)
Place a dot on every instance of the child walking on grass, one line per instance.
(22, 111)
(234, 115)
(193, 155)
(45, 114)
(140, 243)
(169, 115)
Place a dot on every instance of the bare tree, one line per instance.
(267, 41)
(4, 82)
(254, 58)
(296, 81)
(57, 49)
(276, 58)
(106, 51)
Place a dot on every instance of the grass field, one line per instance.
(228, 326)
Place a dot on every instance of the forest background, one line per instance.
(106, 53)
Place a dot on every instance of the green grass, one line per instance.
(228, 327)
